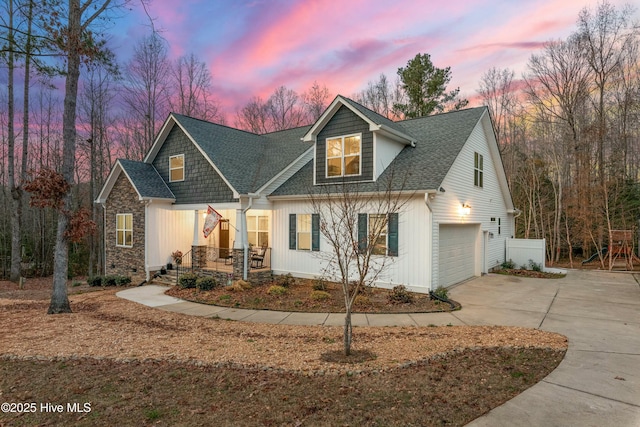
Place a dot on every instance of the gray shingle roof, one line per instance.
(246, 160)
(375, 117)
(146, 179)
(439, 139)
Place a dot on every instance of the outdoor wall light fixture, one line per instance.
(465, 210)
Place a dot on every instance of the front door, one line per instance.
(223, 239)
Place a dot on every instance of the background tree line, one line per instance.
(570, 136)
(568, 130)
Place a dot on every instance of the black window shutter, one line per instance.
(363, 232)
(393, 234)
(315, 232)
(292, 231)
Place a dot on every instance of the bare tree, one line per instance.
(95, 103)
(254, 117)
(315, 100)
(498, 93)
(356, 226)
(603, 35)
(192, 89)
(146, 89)
(285, 109)
(381, 95)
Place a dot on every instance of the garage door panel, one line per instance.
(457, 253)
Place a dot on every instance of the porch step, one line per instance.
(166, 279)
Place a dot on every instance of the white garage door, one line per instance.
(457, 254)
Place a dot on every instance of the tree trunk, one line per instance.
(347, 332)
(16, 247)
(59, 299)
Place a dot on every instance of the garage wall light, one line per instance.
(465, 210)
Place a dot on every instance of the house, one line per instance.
(454, 225)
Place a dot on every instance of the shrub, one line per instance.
(243, 284)
(361, 290)
(277, 290)
(236, 287)
(400, 295)
(285, 280)
(123, 280)
(319, 284)
(188, 281)
(509, 265)
(362, 300)
(442, 292)
(94, 281)
(535, 266)
(109, 280)
(317, 295)
(206, 283)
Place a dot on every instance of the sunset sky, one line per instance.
(254, 46)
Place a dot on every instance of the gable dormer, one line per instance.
(353, 143)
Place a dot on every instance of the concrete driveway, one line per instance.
(598, 382)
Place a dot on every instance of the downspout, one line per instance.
(146, 240)
(104, 238)
(428, 198)
(245, 243)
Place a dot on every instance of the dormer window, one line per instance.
(344, 156)
(176, 168)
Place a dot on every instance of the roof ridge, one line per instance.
(216, 124)
(442, 114)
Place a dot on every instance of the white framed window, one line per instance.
(478, 170)
(176, 168)
(344, 156)
(303, 232)
(258, 230)
(124, 230)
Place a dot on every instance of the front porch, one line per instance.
(226, 265)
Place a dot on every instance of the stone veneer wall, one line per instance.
(125, 261)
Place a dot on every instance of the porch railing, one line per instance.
(220, 259)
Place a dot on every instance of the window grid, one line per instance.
(344, 156)
(304, 232)
(378, 225)
(124, 230)
(176, 168)
(478, 170)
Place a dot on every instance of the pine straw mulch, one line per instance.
(137, 365)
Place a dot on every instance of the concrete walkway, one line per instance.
(597, 383)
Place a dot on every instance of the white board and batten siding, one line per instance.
(410, 267)
(480, 235)
(168, 230)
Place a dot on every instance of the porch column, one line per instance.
(240, 243)
(199, 245)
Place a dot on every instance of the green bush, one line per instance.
(400, 295)
(277, 290)
(320, 295)
(535, 266)
(123, 280)
(188, 281)
(206, 283)
(442, 292)
(319, 284)
(110, 280)
(509, 265)
(285, 280)
(94, 281)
